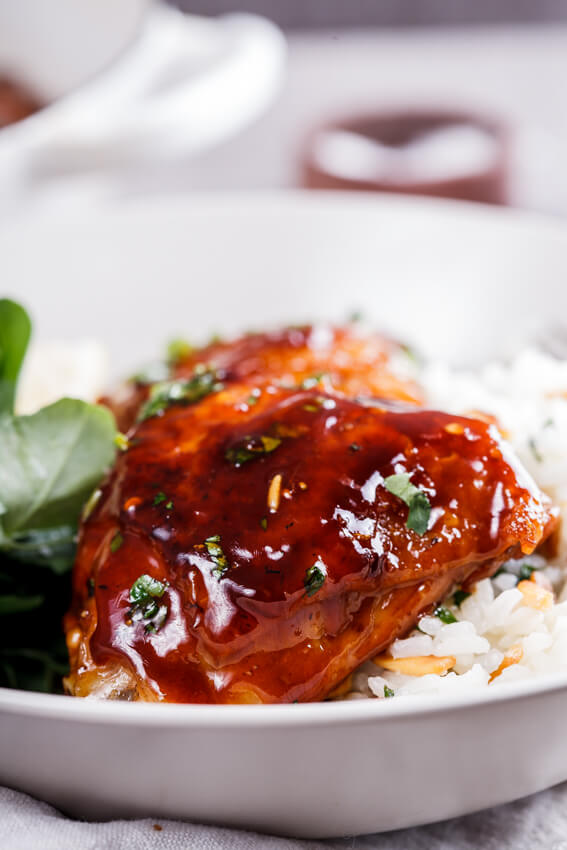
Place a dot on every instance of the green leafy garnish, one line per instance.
(12, 604)
(250, 448)
(142, 597)
(122, 442)
(314, 578)
(534, 450)
(416, 500)
(312, 381)
(50, 463)
(177, 350)
(445, 615)
(162, 395)
(459, 597)
(116, 542)
(15, 332)
(218, 557)
(525, 572)
(159, 498)
(388, 692)
(264, 523)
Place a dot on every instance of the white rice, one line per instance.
(529, 399)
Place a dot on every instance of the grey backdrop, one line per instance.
(342, 13)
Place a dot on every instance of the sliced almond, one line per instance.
(513, 656)
(274, 492)
(535, 596)
(419, 665)
(455, 428)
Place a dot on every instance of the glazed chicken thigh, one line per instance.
(283, 510)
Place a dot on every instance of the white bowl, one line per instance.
(468, 282)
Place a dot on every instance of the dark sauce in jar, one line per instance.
(426, 152)
(17, 101)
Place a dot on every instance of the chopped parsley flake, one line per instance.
(315, 578)
(203, 382)
(525, 572)
(116, 542)
(264, 523)
(159, 498)
(312, 381)
(122, 442)
(459, 597)
(169, 505)
(416, 500)
(143, 595)
(388, 692)
(214, 549)
(250, 448)
(177, 350)
(534, 450)
(445, 615)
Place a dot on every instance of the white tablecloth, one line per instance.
(538, 823)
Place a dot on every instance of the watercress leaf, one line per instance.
(416, 500)
(50, 462)
(46, 547)
(419, 512)
(13, 604)
(15, 331)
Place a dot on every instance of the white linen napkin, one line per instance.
(537, 823)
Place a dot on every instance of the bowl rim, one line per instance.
(200, 716)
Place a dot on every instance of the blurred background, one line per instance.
(356, 13)
(463, 100)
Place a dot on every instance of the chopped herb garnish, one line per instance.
(354, 447)
(388, 692)
(177, 350)
(314, 578)
(548, 422)
(116, 542)
(142, 598)
(445, 615)
(252, 400)
(525, 572)
(416, 500)
(202, 383)
(122, 442)
(534, 450)
(251, 447)
(159, 498)
(214, 549)
(410, 352)
(312, 381)
(264, 523)
(310, 408)
(459, 597)
(355, 316)
(169, 505)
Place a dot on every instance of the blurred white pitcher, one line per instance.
(127, 81)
